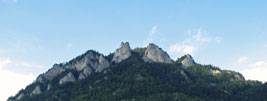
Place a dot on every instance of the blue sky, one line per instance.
(35, 34)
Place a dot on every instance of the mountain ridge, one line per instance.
(90, 64)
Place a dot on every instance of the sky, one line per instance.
(35, 34)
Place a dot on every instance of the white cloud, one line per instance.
(188, 49)
(12, 82)
(4, 61)
(151, 34)
(154, 29)
(242, 59)
(68, 46)
(256, 71)
(193, 43)
(177, 48)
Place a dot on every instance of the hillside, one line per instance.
(141, 74)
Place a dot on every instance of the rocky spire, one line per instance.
(122, 53)
(187, 61)
(155, 54)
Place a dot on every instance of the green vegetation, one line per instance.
(136, 80)
(140, 51)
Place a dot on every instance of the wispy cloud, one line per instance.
(242, 59)
(197, 39)
(256, 71)
(154, 29)
(151, 34)
(68, 46)
(12, 82)
(4, 61)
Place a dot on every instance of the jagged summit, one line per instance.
(122, 53)
(155, 54)
(93, 70)
(187, 61)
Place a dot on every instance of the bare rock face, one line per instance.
(122, 53)
(68, 78)
(187, 61)
(155, 54)
(87, 63)
(56, 70)
(36, 91)
(102, 64)
(237, 77)
(214, 72)
(90, 60)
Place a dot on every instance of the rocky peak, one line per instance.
(68, 78)
(102, 64)
(90, 59)
(122, 53)
(155, 54)
(187, 61)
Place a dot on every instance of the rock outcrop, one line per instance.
(237, 77)
(187, 61)
(214, 71)
(68, 78)
(101, 64)
(36, 91)
(155, 54)
(56, 70)
(122, 53)
(91, 60)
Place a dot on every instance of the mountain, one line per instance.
(141, 74)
